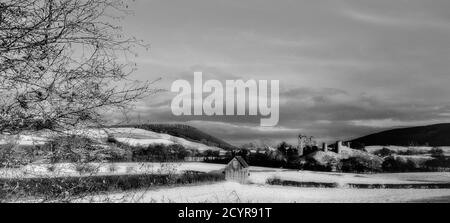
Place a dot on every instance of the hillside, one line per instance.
(432, 135)
(187, 132)
(127, 135)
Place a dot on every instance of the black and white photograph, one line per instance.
(224, 101)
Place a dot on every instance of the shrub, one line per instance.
(270, 159)
(12, 156)
(71, 148)
(278, 181)
(112, 154)
(65, 189)
(361, 164)
(384, 152)
(83, 168)
(321, 162)
(111, 139)
(438, 164)
(130, 169)
(211, 154)
(411, 151)
(437, 152)
(399, 164)
(190, 177)
(159, 153)
(112, 168)
(6, 152)
(51, 168)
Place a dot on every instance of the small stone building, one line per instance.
(237, 170)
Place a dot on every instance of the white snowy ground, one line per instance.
(345, 178)
(69, 169)
(131, 136)
(229, 192)
(256, 192)
(258, 175)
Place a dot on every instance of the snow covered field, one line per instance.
(346, 178)
(258, 190)
(238, 193)
(131, 136)
(259, 175)
(69, 169)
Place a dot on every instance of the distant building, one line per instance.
(338, 147)
(237, 170)
(325, 147)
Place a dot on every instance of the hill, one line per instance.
(187, 132)
(431, 135)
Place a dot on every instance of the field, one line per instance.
(259, 175)
(258, 190)
(237, 193)
(130, 136)
(146, 182)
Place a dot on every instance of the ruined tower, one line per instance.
(338, 146)
(301, 145)
(325, 147)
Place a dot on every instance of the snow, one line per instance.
(259, 175)
(144, 142)
(134, 136)
(346, 178)
(257, 191)
(25, 140)
(131, 136)
(69, 169)
(229, 192)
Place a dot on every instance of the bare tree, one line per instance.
(62, 63)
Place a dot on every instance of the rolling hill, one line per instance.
(431, 135)
(187, 132)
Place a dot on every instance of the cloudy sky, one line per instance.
(346, 68)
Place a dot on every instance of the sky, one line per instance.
(346, 68)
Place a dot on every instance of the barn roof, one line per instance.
(241, 161)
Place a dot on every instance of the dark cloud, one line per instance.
(346, 67)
